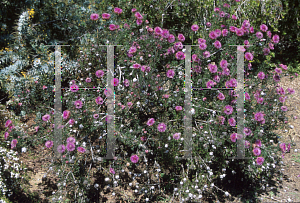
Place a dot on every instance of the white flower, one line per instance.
(134, 79)
(226, 193)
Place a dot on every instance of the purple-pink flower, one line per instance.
(99, 100)
(181, 37)
(206, 54)
(212, 68)
(46, 117)
(176, 136)
(217, 44)
(96, 116)
(256, 151)
(178, 108)
(80, 149)
(233, 137)
(228, 109)
(161, 127)
(248, 56)
(111, 170)
(261, 75)
(195, 27)
(8, 123)
(180, 55)
(231, 121)
(66, 114)
(6, 134)
(70, 146)
(99, 73)
(151, 121)
(13, 143)
(202, 46)
(118, 10)
(260, 160)
(170, 73)
(71, 139)
(275, 39)
(284, 108)
(49, 144)
(94, 16)
(74, 88)
(78, 104)
(105, 16)
(259, 35)
(134, 158)
(263, 28)
(138, 16)
(61, 148)
(221, 96)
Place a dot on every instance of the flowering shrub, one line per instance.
(149, 112)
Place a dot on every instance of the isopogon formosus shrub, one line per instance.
(155, 134)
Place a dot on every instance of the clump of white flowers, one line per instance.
(9, 171)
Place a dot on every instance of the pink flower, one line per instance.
(49, 144)
(217, 44)
(176, 136)
(14, 143)
(71, 121)
(231, 121)
(170, 73)
(212, 68)
(66, 114)
(134, 158)
(239, 32)
(96, 116)
(259, 116)
(88, 80)
(234, 17)
(71, 139)
(260, 160)
(195, 27)
(247, 144)
(206, 54)
(150, 122)
(126, 82)
(224, 32)
(46, 117)
(248, 56)
(284, 67)
(284, 108)
(263, 28)
(208, 24)
(246, 24)
(44, 87)
(126, 26)
(78, 104)
(178, 108)
(74, 88)
(94, 16)
(8, 123)
(61, 148)
(256, 151)
(282, 147)
(115, 82)
(136, 66)
(178, 45)
(261, 75)
(212, 35)
(129, 104)
(232, 29)
(291, 91)
(99, 100)
(138, 16)
(200, 41)
(278, 70)
(118, 10)
(275, 39)
(133, 10)
(80, 149)
(161, 127)
(158, 31)
(165, 33)
(6, 134)
(181, 37)
(70, 146)
(112, 27)
(202, 46)
(171, 38)
(228, 109)
(221, 96)
(111, 170)
(233, 137)
(105, 16)
(259, 35)
(180, 55)
(99, 73)
(210, 84)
